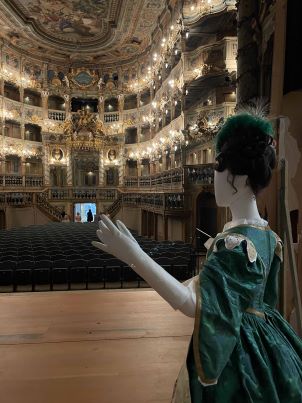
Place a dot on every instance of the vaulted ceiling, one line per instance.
(93, 31)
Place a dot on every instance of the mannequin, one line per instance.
(182, 297)
(241, 350)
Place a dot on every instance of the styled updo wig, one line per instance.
(244, 147)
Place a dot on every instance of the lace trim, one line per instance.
(233, 240)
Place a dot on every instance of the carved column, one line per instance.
(22, 128)
(139, 167)
(23, 169)
(121, 100)
(121, 170)
(138, 99)
(2, 86)
(69, 167)
(101, 168)
(67, 104)
(21, 91)
(101, 106)
(45, 94)
(45, 78)
(139, 133)
(46, 169)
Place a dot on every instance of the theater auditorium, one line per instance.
(115, 135)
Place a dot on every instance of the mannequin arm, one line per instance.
(119, 242)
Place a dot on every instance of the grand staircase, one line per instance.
(52, 212)
(115, 207)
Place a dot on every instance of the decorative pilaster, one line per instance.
(67, 104)
(139, 133)
(2, 86)
(101, 106)
(21, 91)
(121, 170)
(45, 95)
(101, 168)
(46, 169)
(23, 169)
(22, 128)
(138, 99)
(69, 168)
(139, 167)
(121, 100)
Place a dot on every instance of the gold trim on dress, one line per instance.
(254, 311)
(196, 340)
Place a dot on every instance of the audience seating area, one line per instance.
(60, 256)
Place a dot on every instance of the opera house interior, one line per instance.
(112, 107)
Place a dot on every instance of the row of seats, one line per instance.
(61, 253)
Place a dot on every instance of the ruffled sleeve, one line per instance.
(228, 282)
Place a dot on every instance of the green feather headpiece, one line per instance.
(238, 123)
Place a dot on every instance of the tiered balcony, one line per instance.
(192, 13)
(165, 180)
(155, 202)
(196, 175)
(211, 59)
(77, 193)
(18, 181)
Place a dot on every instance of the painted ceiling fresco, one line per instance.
(103, 31)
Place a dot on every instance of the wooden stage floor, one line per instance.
(90, 347)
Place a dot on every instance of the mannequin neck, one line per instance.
(243, 205)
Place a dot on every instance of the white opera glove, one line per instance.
(118, 241)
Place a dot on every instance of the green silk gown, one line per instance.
(242, 350)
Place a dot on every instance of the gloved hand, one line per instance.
(118, 241)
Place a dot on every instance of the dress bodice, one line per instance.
(268, 255)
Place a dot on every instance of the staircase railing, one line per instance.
(115, 207)
(53, 212)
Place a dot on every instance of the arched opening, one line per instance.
(145, 133)
(111, 105)
(131, 135)
(12, 129)
(58, 176)
(33, 166)
(131, 168)
(77, 104)
(55, 102)
(145, 98)
(33, 132)
(32, 97)
(145, 167)
(130, 102)
(11, 91)
(85, 168)
(112, 176)
(206, 217)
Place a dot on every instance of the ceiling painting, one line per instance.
(92, 31)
